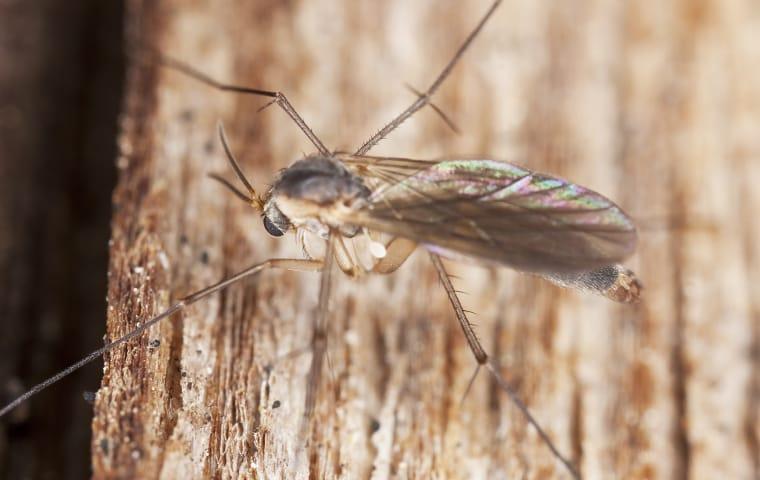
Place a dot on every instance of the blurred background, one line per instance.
(655, 104)
(61, 82)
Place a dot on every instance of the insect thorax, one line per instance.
(308, 191)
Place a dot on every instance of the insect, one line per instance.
(373, 212)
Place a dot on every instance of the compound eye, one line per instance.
(271, 228)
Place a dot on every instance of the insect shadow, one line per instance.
(373, 212)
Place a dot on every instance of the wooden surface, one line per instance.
(656, 105)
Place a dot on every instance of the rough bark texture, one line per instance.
(655, 104)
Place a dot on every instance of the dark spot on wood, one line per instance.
(104, 447)
(646, 471)
(154, 343)
(183, 239)
(576, 424)
(642, 386)
(276, 404)
(187, 116)
(204, 257)
(697, 15)
(374, 426)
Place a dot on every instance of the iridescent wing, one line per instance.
(494, 211)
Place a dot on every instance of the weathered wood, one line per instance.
(655, 104)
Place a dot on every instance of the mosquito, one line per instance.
(373, 212)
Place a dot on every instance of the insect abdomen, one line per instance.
(612, 281)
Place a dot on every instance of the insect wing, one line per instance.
(494, 211)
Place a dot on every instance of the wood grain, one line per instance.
(654, 104)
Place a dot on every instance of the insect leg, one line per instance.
(277, 97)
(319, 338)
(449, 122)
(472, 340)
(397, 251)
(482, 358)
(424, 98)
(281, 263)
(319, 346)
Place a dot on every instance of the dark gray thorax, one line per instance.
(319, 180)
